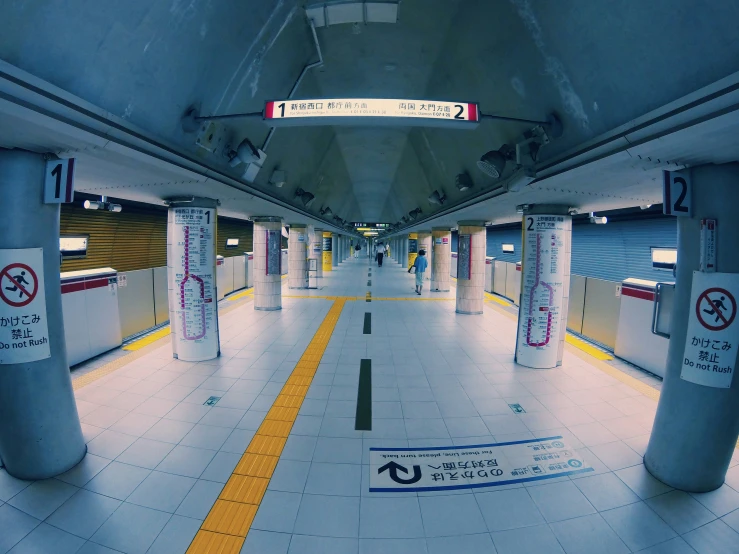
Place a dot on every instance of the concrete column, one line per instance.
(40, 434)
(545, 286)
(267, 288)
(328, 242)
(297, 257)
(441, 259)
(471, 292)
(424, 243)
(696, 427)
(316, 250)
(191, 279)
(335, 249)
(403, 252)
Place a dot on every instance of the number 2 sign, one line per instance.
(677, 194)
(59, 181)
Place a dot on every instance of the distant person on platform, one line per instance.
(380, 254)
(357, 248)
(420, 264)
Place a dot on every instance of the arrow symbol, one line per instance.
(393, 468)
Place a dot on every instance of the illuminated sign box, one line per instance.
(372, 111)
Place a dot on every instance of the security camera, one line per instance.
(598, 220)
(245, 153)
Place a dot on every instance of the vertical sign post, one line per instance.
(540, 314)
(677, 193)
(708, 246)
(192, 267)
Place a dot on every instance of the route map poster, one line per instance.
(542, 288)
(711, 343)
(192, 269)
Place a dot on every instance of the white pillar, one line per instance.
(297, 257)
(471, 268)
(191, 278)
(545, 286)
(697, 425)
(267, 257)
(335, 249)
(40, 434)
(441, 259)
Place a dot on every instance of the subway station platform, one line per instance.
(258, 451)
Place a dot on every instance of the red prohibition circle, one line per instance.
(727, 322)
(29, 295)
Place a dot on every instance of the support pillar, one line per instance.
(191, 278)
(316, 250)
(297, 257)
(328, 242)
(441, 259)
(424, 243)
(403, 252)
(696, 427)
(545, 286)
(267, 256)
(40, 433)
(471, 267)
(335, 249)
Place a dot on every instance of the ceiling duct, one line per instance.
(463, 181)
(437, 198)
(305, 197)
(338, 13)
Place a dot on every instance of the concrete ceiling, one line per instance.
(597, 64)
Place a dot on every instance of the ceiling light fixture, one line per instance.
(326, 211)
(413, 214)
(102, 204)
(437, 198)
(278, 178)
(598, 220)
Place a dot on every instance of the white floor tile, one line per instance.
(291, 475)
(88, 468)
(187, 461)
(639, 480)
(46, 538)
(393, 518)
(560, 501)
(481, 543)
(42, 497)
(680, 510)
(579, 535)
(162, 491)
(638, 526)
(176, 536)
(328, 516)
(116, 532)
(303, 544)
(451, 515)
(713, 538)
(531, 540)
(117, 480)
(15, 525)
(266, 542)
(606, 491)
(83, 513)
(508, 509)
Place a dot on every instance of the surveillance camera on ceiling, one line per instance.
(463, 182)
(278, 178)
(325, 211)
(305, 197)
(437, 198)
(245, 153)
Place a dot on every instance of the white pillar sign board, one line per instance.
(274, 253)
(713, 330)
(539, 317)
(192, 275)
(24, 330)
(464, 257)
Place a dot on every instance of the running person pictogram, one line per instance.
(18, 285)
(716, 309)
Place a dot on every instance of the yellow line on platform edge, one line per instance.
(229, 520)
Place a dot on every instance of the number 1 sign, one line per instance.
(59, 181)
(677, 194)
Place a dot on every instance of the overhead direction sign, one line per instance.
(378, 111)
(711, 343)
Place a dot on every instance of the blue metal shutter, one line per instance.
(497, 236)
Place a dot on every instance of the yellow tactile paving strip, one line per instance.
(230, 518)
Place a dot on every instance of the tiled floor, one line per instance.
(158, 458)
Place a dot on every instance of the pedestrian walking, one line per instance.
(380, 254)
(420, 265)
